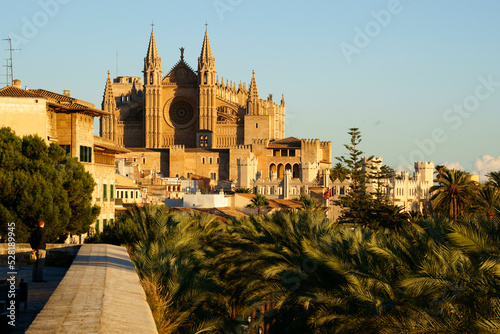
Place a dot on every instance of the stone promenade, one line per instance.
(100, 293)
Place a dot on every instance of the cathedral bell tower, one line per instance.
(152, 95)
(207, 109)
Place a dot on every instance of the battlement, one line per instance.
(242, 147)
(424, 165)
(264, 142)
(310, 141)
(246, 161)
(127, 80)
(309, 165)
(177, 147)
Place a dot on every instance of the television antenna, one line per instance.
(10, 69)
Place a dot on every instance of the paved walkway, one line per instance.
(38, 293)
(100, 293)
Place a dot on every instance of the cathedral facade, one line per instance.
(185, 107)
(188, 123)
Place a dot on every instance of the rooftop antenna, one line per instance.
(7, 74)
(10, 68)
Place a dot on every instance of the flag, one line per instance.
(329, 193)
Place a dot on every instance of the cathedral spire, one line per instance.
(206, 51)
(152, 50)
(253, 93)
(109, 123)
(108, 91)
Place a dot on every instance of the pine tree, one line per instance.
(358, 201)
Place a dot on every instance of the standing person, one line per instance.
(37, 242)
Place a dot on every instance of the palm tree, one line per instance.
(339, 171)
(259, 201)
(309, 203)
(242, 190)
(487, 200)
(493, 179)
(454, 192)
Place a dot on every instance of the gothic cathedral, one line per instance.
(185, 107)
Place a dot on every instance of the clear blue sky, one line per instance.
(418, 77)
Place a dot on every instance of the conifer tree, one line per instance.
(358, 201)
(40, 181)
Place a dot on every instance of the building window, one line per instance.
(342, 190)
(213, 176)
(111, 222)
(210, 160)
(97, 226)
(104, 191)
(218, 161)
(126, 194)
(136, 194)
(203, 161)
(85, 154)
(256, 125)
(143, 160)
(104, 222)
(291, 153)
(111, 191)
(67, 148)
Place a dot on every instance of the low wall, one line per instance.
(100, 293)
(58, 255)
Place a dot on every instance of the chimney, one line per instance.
(17, 83)
(66, 93)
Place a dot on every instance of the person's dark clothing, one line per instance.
(37, 242)
(37, 239)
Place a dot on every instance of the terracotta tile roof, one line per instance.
(68, 103)
(11, 91)
(228, 212)
(286, 142)
(246, 195)
(284, 203)
(108, 146)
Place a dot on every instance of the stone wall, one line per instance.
(101, 293)
(58, 255)
(14, 113)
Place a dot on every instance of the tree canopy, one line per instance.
(40, 181)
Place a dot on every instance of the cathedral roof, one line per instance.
(289, 142)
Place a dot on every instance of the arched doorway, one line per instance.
(295, 171)
(272, 168)
(280, 171)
